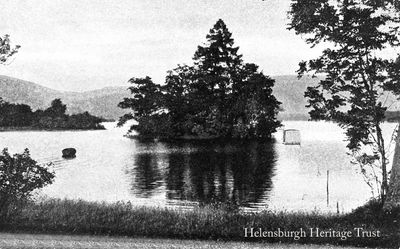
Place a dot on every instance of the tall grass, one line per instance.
(210, 222)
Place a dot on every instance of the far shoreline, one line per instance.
(28, 128)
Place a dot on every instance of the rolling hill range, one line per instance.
(290, 91)
(103, 102)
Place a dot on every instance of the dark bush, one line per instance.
(19, 176)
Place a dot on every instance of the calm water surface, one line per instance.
(256, 176)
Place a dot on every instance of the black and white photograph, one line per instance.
(226, 124)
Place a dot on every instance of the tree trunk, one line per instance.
(393, 195)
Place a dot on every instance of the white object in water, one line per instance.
(291, 136)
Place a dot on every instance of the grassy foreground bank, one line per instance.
(122, 219)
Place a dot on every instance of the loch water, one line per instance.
(253, 175)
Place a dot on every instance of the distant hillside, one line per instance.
(103, 102)
(290, 90)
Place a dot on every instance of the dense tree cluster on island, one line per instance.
(15, 116)
(219, 96)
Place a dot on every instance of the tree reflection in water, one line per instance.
(236, 173)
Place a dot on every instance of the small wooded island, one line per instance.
(21, 117)
(218, 96)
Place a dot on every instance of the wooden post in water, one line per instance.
(327, 188)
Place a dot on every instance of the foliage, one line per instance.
(153, 126)
(54, 117)
(215, 222)
(19, 176)
(219, 64)
(84, 121)
(56, 109)
(219, 96)
(146, 97)
(356, 77)
(6, 51)
(15, 114)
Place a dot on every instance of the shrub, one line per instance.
(20, 175)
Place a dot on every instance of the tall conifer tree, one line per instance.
(218, 62)
(219, 96)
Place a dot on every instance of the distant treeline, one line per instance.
(16, 116)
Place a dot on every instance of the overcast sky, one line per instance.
(83, 45)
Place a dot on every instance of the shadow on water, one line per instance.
(236, 173)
